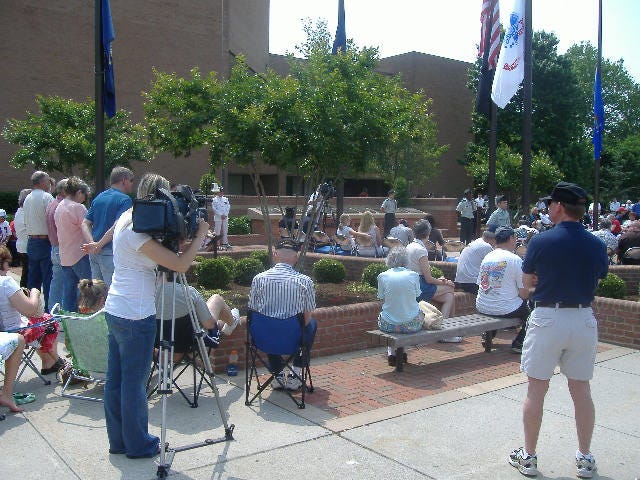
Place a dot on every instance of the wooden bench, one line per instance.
(466, 325)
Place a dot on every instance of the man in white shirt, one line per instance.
(38, 245)
(467, 210)
(501, 290)
(470, 259)
(221, 207)
(402, 232)
(614, 205)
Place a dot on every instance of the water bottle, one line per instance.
(232, 367)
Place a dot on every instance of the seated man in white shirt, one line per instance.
(470, 259)
(502, 292)
(402, 232)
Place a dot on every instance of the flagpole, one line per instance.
(596, 192)
(99, 107)
(527, 110)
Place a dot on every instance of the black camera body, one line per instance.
(327, 190)
(168, 216)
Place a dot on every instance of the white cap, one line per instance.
(215, 188)
(3, 213)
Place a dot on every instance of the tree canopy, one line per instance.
(61, 137)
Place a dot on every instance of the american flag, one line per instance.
(490, 17)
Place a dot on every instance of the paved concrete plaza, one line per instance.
(461, 433)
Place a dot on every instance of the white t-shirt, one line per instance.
(10, 318)
(399, 288)
(415, 251)
(470, 259)
(499, 279)
(21, 231)
(345, 231)
(133, 287)
(35, 208)
(5, 231)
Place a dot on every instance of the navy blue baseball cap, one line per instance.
(503, 234)
(566, 192)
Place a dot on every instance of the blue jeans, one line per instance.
(39, 252)
(55, 289)
(275, 361)
(102, 265)
(125, 400)
(71, 276)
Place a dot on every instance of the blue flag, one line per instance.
(108, 85)
(340, 42)
(598, 116)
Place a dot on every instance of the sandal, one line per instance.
(22, 398)
(53, 368)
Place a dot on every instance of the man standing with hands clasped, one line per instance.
(389, 207)
(564, 265)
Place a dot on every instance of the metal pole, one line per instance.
(596, 191)
(492, 158)
(527, 111)
(99, 82)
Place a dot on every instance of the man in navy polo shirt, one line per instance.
(564, 265)
(105, 209)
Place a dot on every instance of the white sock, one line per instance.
(527, 454)
(580, 455)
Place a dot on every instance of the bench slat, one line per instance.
(466, 325)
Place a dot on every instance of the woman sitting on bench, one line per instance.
(437, 289)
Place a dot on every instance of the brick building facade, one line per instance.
(47, 49)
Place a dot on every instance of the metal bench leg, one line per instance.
(399, 359)
(487, 341)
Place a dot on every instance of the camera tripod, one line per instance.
(165, 374)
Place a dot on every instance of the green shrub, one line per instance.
(360, 288)
(239, 225)
(436, 272)
(229, 263)
(212, 273)
(263, 256)
(329, 271)
(371, 272)
(402, 194)
(198, 258)
(246, 269)
(612, 286)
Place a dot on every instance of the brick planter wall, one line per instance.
(618, 321)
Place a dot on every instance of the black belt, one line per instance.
(562, 305)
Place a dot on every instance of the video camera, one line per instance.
(169, 216)
(327, 190)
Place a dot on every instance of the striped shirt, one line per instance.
(282, 292)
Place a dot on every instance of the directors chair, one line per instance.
(286, 337)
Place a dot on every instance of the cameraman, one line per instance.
(131, 317)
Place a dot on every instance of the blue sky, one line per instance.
(452, 28)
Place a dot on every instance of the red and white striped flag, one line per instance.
(490, 18)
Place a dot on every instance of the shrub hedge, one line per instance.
(328, 270)
(612, 286)
(246, 269)
(212, 273)
(371, 272)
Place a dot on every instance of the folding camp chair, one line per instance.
(89, 348)
(191, 360)
(286, 337)
(49, 326)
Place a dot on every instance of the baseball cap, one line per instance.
(566, 192)
(503, 234)
(288, 244)
(622, 210)
(3, 213)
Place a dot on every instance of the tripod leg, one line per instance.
(200, 333)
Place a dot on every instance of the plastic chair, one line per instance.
(268, 335)
(89, 348)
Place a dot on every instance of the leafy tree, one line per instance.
(544, 173)
(62, 137)
(180, 113)
(621, 171)
(620, 93)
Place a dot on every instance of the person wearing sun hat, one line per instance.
(563, 265)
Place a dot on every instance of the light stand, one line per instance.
(165, 374)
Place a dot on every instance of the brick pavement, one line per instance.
(356, 385)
